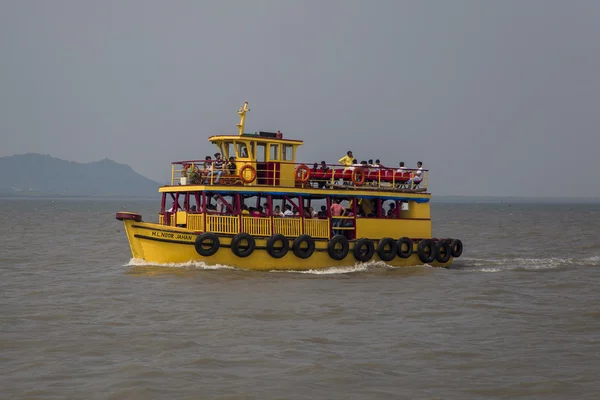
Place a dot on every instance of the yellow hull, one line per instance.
(160, 244)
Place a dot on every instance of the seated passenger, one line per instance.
(245, 210)
(277, 212)
(401, 168)
(417, 176)
(288, 211)
(231, 167)
(392, 212)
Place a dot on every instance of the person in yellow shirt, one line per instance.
(347, 160)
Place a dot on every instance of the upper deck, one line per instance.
(265, 160)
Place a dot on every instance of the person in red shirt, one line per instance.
(336, 211)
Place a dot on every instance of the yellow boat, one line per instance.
(257, 211)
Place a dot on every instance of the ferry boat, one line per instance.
(255, 207)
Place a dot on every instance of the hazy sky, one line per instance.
(495, 97)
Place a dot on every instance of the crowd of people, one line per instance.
(211, 171)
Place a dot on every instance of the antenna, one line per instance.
(242, 113)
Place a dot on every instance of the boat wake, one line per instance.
(506, 264)
(199, 265)
(138, 262)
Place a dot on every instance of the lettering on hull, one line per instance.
(174, 236)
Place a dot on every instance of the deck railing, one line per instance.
(195, 222)
(303, 175)
(317, 228)
(227, 224)
(256, 226)
(287, 226)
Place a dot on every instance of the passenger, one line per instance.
(336, 210)
(371, 163)
(193, 209)
(174, 207)
(220, 207)
(217, 167)
(313, 213)
(296, 212)
(401, 168)
(323, 212)
(378, 164)
(245, 210)
(417, 176)
(313, 172)
(277, 212)
(288, 211)
(244, 151)
(392, 212)
(206, 170)
(348, 222)
(347, 160)
(231, 166)
(323, 168)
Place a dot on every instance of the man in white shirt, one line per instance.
(288, 211)
(417, 175)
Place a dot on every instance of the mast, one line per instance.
(242, 112)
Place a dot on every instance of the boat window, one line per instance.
(227, 149)
(252, 153)
(274, 152)
(261, 152)
(242, 150)
(288, 152)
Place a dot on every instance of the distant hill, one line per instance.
(37, 174)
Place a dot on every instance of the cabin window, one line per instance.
(288, 152)
(261, 152)
(227, 149)
(242, 150)
(274, 152)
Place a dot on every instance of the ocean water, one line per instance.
(518, 316)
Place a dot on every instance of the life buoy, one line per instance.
(207, 244)
(243, 177)
(426, 250)
(335, 252)
(241, 249)
(304, 252)
(358, 176)
(442, 251)
(405, 247)
(302, 173)
(387, 249)
(456, 248)
(274, 249)
(364, 249)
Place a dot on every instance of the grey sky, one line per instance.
(495, 97)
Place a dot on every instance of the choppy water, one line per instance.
(518, 316)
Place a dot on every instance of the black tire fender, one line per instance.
(301, 252)
(456, 248)
(207, 244)
(237, 246)
(364, 249)
(442, 252)
(426, 250)
(402, 243)
(387, 249)
(334, 252)
(278, 252)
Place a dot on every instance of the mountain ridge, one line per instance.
(34, 174)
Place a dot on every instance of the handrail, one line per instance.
(333, 176)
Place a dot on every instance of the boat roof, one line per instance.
(308, 192)
(253, 136)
